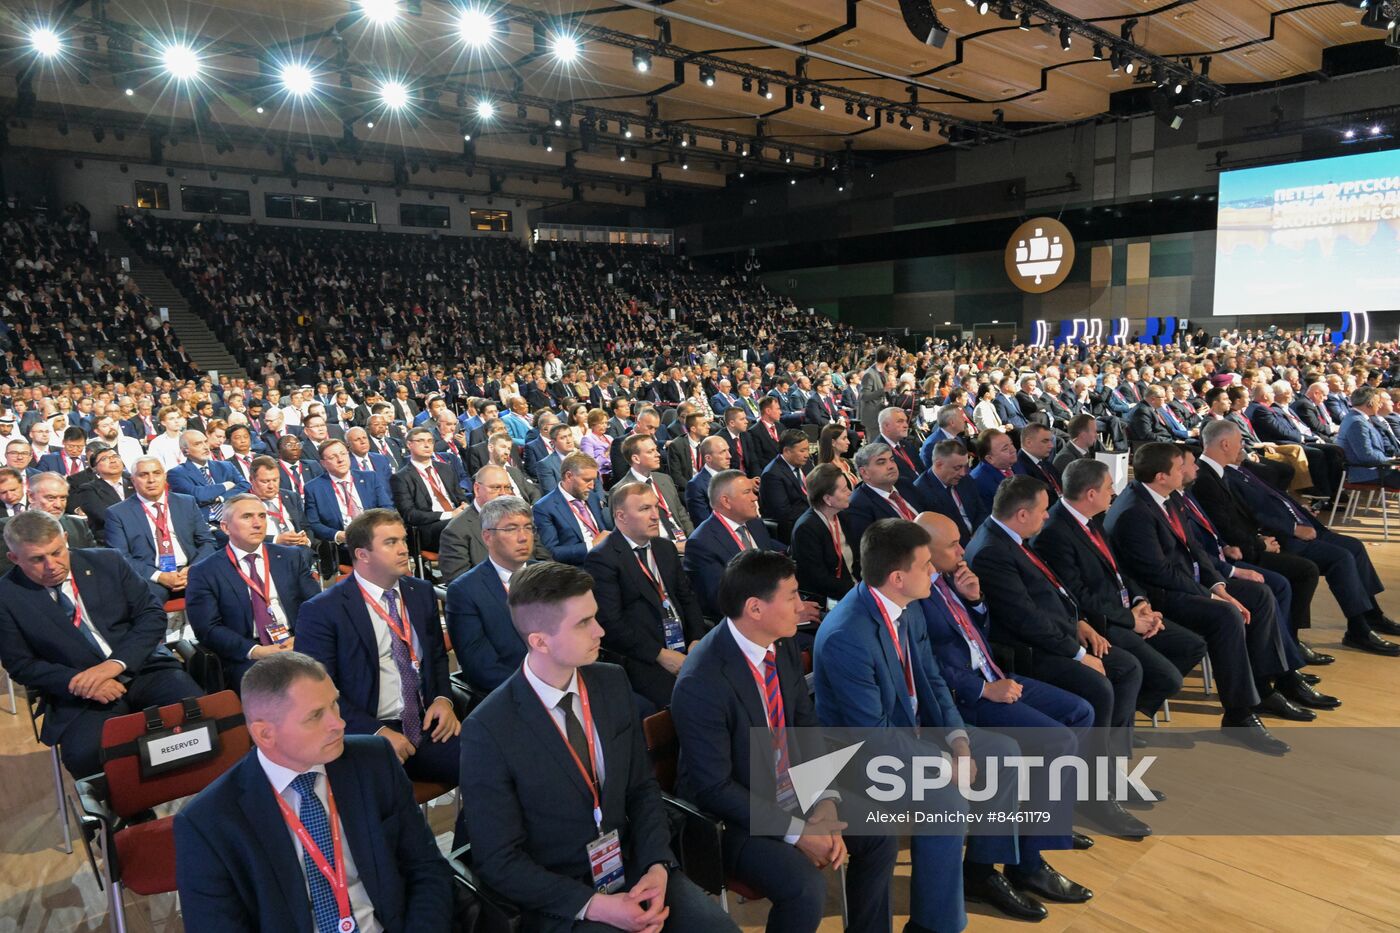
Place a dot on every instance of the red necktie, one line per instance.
(903, 507)
(773, 432)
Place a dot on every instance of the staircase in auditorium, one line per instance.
(204, 348)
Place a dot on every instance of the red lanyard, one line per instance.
(580, 509)
(737, 540)
(294, 477)
(898, 648)
(1099, 545)
(335, 877)
(265, 589)
(655, 580)
(592, 769)
(1201, 516)
(1041, 566)
(1175, 521)
(161, 520)
(280, 515)
(77, 612)
(430, 477)
(762, 682)
(836, 540)
(404, 634)
(345, 497)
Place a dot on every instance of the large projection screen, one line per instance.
(1310, 237)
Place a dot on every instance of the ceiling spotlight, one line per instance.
(297, 79)
(1006, 11)
(685, 166)
(787, 155)
(45, 42)
(850, 108)
(180, 61)
(485, 109)
(1025, 21)
(1098, 52)
(764, 90)
(1065, 38)
(684, 142)
(380, 12)
(817, 102)
(1205, 66)
(1375, 129)
(707, 75)
(863, 113)
(1129, 66)
(565, 48)
(792, 181)
(621, 154)
(641, 60)
(1349, 134)
(904, 123)
(258, 109)
(983, 6)
(466, 137)
(548, 144)
(129, 92)
(625, 130)
(927, 125)
(393, 94)
(369, 124)
(1178, 87)
(558, 118)
(692, 139)
(476, 27)
(799, 96)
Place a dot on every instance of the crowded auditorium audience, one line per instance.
(464, 470)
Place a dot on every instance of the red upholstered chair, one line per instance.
(128, 849)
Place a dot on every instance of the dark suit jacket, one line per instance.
(868, 507)
(1272, 425)
(821, 570)
(335, 629)
(1310, 414)
(1150, 552)
(1068, 454)
(220, 610)
(950, 648)
(751, 463)
(1235, 523)
(781, 496)
(237, 868)
(488, 647)
(1026, 608)
(129, 531)
(323, 514)
(532, 817)
(558, 528)
(415, 502)
(709, 550)
(1090, 579)
(714, 706)
(1271, 512)
(188, 481)
(680, 464)
(938, 498)
(629, 607)
(41, 649)
(1027, 467)
(1145, 424)
(764, 447)
(95, 499)
(697, 496)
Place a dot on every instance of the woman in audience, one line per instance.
(832, 445)
(578, 422)
(826, 555)
(984, 414)
(596, 443)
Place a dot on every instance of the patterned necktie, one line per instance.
(313, 816)
(262, 616)
(901, 506)
(777, 726)
(584, 516)
(408, 677)
(348, 494)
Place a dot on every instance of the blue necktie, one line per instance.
(68, 608)
(313, 816)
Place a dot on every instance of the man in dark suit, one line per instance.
(1312, 409)
(997, 456)
(1033, 459)
(767, 431)
(1082, 443)
(425, 490)
(296, 472)
(83, 629)
(554, 765)
(571, 520)
(242, 601)
(894, 433)
(1031, 608)
(1074, 545)
(159, 532)
(714, 459)
(946, 490)
(70, 459)
(782, 491)
(649, 614)
(286, 519)
(487, 646)
(1150, 540)
(883, 491)
(109, 486)
(48, 492)
(742, 454)
(683, 458)
(643, 459)
(377, 632)
(1146, 423)
(229, 840)
(733, 526)
(365, 458)
(209, 482)
(716, 702)
(381, 441)
(1341, 559)
(341, 493)
(1275, 422)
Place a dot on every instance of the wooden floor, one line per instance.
(1294, 884)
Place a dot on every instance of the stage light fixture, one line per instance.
(1376, 129)
(565, 48)
(692, 139)
(369, 124)
(621, 154)
(983, 6)
(787, 155)
(641, 60)
(746, 85)
(927, 125)
(393, 94)
(180, 61)
(1129, 66)
(863, 113)
(258, 109)
(799, 96)
(1006, 11)
(1178, 87)
(1025, 21)
(1098, 52)
(707, 75)
(1349, 134)
(129, 92)
(45, 42)
(685, 166)
(817, 102)
(792, 181)
(380, 12)
(485, 109)
(548, 144)
(297, 79)
(625, 130)
(904, 123)
(1066, 38)
(476, 27)
(850, 108)
(764, 90)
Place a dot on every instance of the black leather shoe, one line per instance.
(1250, 733)
(1312, 680)
(1312, 656)
(1276, 704)
(1081, 841)
(998, 891)
(1051, 885)
(1301, 693)
(1382, 623)
(1113, 818)
(1373, 643)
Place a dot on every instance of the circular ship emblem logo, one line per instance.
(1039, 255)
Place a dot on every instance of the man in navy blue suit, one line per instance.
(159, 532)
(240, 862)
(209, 482)
(377, 632)
(947, 491)
(1368, 460)
(894, 433)
(1033, 459)
(714, 459)
(70, 459)
(554, 769)
(242, 601)
(341, 493)
(747, 674)
(997, 456)
(883, 491)
(952, 426)
(782, 492)
(366, 459)
(487, 646)
(85, 631)
(874, 668)
(733, 526)
(571, 520)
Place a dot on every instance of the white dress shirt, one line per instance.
(149, 509)
(550, 697)
(274, 603)
(345, 485)
(281, 780)
(390, 685)
(584, 531)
